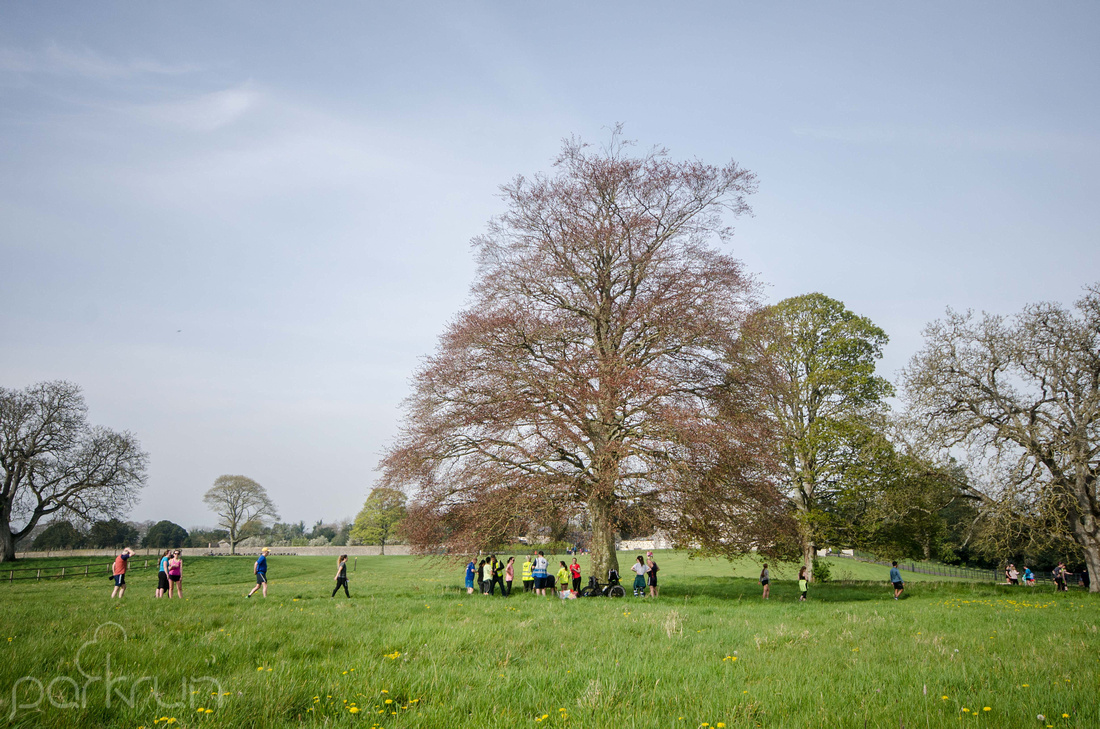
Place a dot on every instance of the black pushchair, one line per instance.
(611, 589)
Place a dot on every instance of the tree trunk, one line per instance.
(7, 542)
(232, 545)
(383, 552)
(604, 557)
(808, 552)
(1089, 539)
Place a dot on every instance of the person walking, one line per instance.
(652, 574)
(575, 575)
(118, 572)
(1013, 575)
(803, 584)
(341, 576)
(510, 574)
(528, 578)
(765, 581)
(261, 572)
(162, 573)
(639, 569)
(538, 571)
(175, 574)
(481, 577)
(895, 578)
(471, 569)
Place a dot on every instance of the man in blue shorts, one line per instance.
(261, 572)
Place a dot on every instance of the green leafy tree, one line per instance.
(206, 537)
(165, 534)
(241, 504)
(112, 533)
(59, 535)
(383, 511)
(820, 391)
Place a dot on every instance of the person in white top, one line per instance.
(539, 573)
(639, 568)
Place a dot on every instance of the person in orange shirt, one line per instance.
(118, 572)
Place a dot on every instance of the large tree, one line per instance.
(165, 534)
(112, 533)
(59, 535)
(52, 459)
(585, 375)
(820, 391)
(1022, 394)
(381, 515)
(241, 505)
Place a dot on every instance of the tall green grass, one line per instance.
(708, 651)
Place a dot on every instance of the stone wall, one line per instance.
(357, 551)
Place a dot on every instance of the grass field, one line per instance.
(411, 649)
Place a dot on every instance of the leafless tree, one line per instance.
(240, 503)
(52, 460)
(1022, 395)
(586, 376)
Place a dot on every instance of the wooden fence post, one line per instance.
(38, 575)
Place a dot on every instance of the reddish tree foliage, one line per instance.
(588, 373)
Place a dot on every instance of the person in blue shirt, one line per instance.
(261, 572)
(470, 569)
(895, 577)
(162, 573)
(1029, 576)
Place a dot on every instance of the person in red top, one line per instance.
(118, 572)
(575, 573)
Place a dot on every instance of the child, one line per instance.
(802, 584)
(528, 578)
(765, 580)
(575, 574)
(261, 572)
(118, 572)
(639, 568)
(509, 574)
(175, 574)
(895, 577)
(1029, 576)
(563, 580)
(487, 577)
(652, 575)
(341, 576)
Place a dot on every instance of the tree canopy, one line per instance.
(112, 533)
(380, 517)
(52, 460)
(165, 534)
(819, 389)
(1022, 395)
(59, 535)
(241, 505)
(587, 373)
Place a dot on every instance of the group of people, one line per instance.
(1060, 575)
(536, 577)
(169, 573)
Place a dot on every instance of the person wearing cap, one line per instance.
(652, 574)
(261, 572)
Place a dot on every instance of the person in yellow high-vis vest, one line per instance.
(528, 579)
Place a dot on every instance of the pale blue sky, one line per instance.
(239, 225)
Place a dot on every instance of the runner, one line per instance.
(118, 572)
(261, 572)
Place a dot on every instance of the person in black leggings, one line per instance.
(341, 576)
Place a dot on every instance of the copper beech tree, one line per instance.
(586, 377)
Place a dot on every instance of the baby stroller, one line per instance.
(611, 589)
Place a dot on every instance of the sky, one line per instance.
(239, 226)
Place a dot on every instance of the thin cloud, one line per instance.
(205, 112)
(56, 60)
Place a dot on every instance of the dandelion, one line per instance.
(944, 698)
(354, 710)
(987, 708)
(389, 701)
(721, 725)
(1065, 716)
(200, 709)
(259, 668)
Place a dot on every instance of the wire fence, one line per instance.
(943, 570)
(61, 572)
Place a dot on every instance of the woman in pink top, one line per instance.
(175, 574)
(509, 575)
